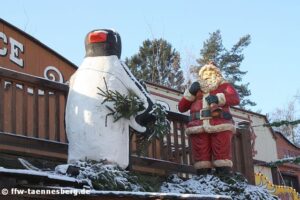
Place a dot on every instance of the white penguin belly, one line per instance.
(88, 135)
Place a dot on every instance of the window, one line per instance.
(291, 181)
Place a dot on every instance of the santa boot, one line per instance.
(225, 174)
(223, 171)
(203, 171)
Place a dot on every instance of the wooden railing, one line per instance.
(174, 153)
(32, 115)
(32, 106)
(32, 122)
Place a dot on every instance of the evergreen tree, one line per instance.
(157, 62)
(228, 61)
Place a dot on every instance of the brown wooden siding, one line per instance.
(36, 56)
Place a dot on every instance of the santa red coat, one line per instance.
(210, 136)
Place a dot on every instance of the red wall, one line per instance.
(287, 149)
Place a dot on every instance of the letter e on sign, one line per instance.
(16, 47)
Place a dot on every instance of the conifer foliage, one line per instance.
(228, 61)
(157, 62)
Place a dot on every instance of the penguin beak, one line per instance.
(98, 36)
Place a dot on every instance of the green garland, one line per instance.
(283, 122)
(293, 160)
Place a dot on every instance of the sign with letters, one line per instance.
(16, 48)
(23, 53)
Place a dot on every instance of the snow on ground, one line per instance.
(101, 177)
(50, 175)
(235, 187)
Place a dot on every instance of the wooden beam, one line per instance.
(160, 164)
(247, 155)
(23, 145)
(22, 77)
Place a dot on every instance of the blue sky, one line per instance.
(272, 58)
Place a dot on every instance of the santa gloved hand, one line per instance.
(215, 110)
(212, 99)
(195, 87)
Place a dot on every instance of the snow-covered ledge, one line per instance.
(151, 195)
(102, 194)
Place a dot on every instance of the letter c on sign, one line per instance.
(3, 51)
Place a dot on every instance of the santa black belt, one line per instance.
(206, 114)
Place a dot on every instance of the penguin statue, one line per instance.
(90, 136)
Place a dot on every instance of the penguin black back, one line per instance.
(103, 42)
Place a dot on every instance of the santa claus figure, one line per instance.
(211, 126)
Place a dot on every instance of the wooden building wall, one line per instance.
(23, 53)
(32, 106)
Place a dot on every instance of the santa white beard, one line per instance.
(210, 84)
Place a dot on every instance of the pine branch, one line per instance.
(125, 106)
(161, 126)
(158, 129)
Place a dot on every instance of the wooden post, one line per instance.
(35, 112)
(57, 117)
(162, 149)
(46, 114)
(169, 148)
(190, 151)
(237, 153)
(153, 145)
(25, 110)
(247, 155)
(176, 146)
(275, 176)
(13, 107)
(183, 149)
(1, 105)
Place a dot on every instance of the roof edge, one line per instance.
(163, 87)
